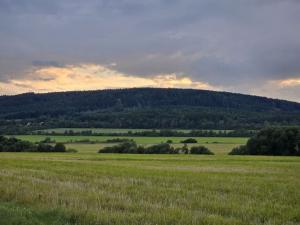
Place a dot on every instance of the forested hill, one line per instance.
(139, 97)
(146, 108)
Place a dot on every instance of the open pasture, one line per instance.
(90, 188)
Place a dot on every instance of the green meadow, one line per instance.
(139, 140)
(88, 188)
(219, 145)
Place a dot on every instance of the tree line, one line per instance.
(131, 147)
(154, 133)
(17, 145)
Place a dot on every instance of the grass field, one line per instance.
(139, 140)
(218, 145)
(90, 188)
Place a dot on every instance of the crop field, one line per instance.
(91, 188)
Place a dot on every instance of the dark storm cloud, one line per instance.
(224, 43)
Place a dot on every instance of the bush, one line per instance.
(200, 150)
(126, 147)
(163, 148)
(59, 147)
(240, 150)
(44, 148)
(189, 141)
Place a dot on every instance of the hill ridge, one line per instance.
(148, 108)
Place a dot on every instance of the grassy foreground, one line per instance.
(41, 188)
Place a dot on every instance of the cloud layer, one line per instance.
(91, 77)
(242, 46)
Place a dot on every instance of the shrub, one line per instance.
(240, 150)
(189, 140)
(59, 147)
(44, 148)
(163, 148)
(126, 147)
(200, 150)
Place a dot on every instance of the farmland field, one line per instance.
(91, 188)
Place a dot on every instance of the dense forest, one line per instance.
(144, 108)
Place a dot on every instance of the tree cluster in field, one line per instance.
(17, 145)
(164, 148)
(150, 108)
(189, 141)
(284, 141)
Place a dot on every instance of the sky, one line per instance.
(244, 46)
